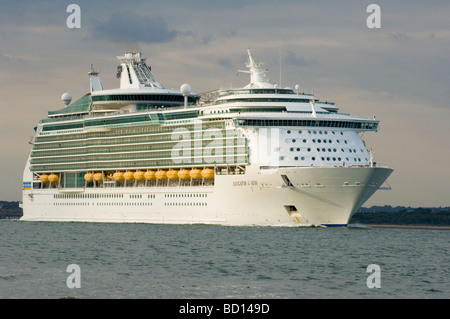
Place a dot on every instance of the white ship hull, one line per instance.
(315, 196)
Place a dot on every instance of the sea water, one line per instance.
(101, 260)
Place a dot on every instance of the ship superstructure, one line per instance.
(257, 155)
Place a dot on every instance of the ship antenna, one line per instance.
(280, 66)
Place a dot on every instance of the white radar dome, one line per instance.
(185, 89)
(66, 98)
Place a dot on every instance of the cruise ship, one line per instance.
(256, 155)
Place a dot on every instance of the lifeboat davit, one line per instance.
(195, 173)
(162, 175)
(208, 173)
(54, 178)
(129, 176)
(150, 175)
(44, 178)
(172, 174)
(118, 176)
(184, 174)
(89, 177)
(98, 177)
(139, 175)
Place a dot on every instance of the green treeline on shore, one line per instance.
(381, 215)
(408, 216)
(10, 210)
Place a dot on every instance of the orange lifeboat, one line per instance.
(98, 177)
(118, 176)
(195, 173)
(44, 178)
(150, 175)
(161, 175)
(208, 173)
(184, 174)
(54, 178)
(172, 174)
(139, 175)
(89, 177)
(129, 176)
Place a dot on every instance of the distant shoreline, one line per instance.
(409, 226)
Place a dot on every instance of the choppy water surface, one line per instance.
(199, 261)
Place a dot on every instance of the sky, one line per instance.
(399, 73)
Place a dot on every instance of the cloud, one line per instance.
(291, 58)
(225, 62)
(129, 27)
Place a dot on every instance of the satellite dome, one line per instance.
(66, 98)
(185, 89)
